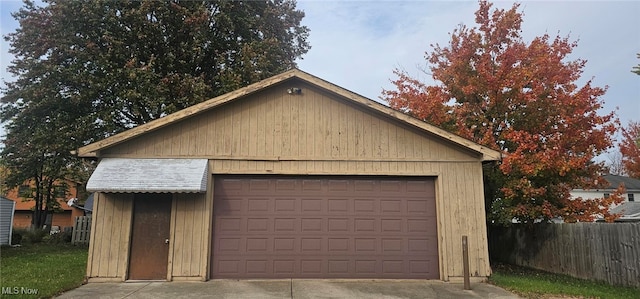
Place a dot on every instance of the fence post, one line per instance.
(465, 263)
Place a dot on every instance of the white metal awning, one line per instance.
(120, 175)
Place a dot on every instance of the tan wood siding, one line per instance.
(189, 235)
(110, 234)
(464, 214)
(275, 125)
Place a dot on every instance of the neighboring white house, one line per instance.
(7, 207)
(632, 185)
(629, 208)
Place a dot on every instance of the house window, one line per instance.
(25, 191)
(60, 191)
(630, 196)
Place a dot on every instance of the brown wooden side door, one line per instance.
(149, 253)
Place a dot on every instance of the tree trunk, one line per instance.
(38, 218)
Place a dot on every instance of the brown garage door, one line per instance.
(324, 227)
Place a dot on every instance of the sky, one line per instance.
(358, 44)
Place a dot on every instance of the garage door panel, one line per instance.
(258, 245)
(311, 266)
(338, 225)
(228, 267)
(418, 266)
(364, 206)
(417, 206)
(284, 245)
(259, 185)
(418, 226)
(311, 245)
(312, 225)
(318, 227)
(285, 186)
(337, 185)
(365, 225)
(422, 187)
(311, 185)
(285, 225)
(312, 205)
(390, 186)
(338, 266)
(393, 266)
(391, 225)
(338, 206)
(419, 245)
(231, 185)
(390, 207)
(228, 245)
(226, 225)
(393, 245)
(255, 225)
(285, 205)
(366, 267)
(231, 206)
(338, 245)
(364, 185)
(364, 245)
(257, 267)
(284, 267)
(259, 205)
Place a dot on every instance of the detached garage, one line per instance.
(290, 177)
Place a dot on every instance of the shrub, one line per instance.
(16, 238)
(29, 236)
(59, 238)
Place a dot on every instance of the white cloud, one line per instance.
(357, 44)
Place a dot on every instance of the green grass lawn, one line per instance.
(47, 269)
(531, 283)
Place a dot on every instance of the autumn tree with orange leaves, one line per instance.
(630, 149)
(523, 100)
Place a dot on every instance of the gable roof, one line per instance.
(616, 180)
(629, 208)
(93, 149)
(628, 211)
(29, 204)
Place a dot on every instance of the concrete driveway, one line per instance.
(297, 288)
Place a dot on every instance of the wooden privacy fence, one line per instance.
(81, 230)
(597, 251)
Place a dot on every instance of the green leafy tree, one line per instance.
(86, 70)
(522, 99)
(36, 155)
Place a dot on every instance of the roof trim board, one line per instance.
(93, 149)
(120, 175)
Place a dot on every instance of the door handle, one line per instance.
(166, 241)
